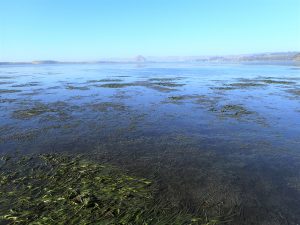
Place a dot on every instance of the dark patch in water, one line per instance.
(234, 110)
(116, 85)
(57, 109)
(105, 106)
(29, 84)
(71, 87)
(6, 82)
(104, 80)
(8, 91)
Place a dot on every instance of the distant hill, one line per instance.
(45, 62)
(140, 58)
(297, 57)
(277, 56)
(261, 57)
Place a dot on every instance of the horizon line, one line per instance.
(141, 58)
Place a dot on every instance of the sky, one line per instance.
(95, 29)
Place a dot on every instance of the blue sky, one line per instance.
(95, 29)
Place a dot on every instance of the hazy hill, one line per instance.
(297, 57)
(261, 57)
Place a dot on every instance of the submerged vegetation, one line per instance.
(165, 79)
(71, 87)
(235, 110)
(7, 91)
(168, 84)
(295, 92)
(104, 80)
(60, 189)
(116, 85)
(105, 106)
(32, 112)
(244, 83)
(196, 144)
(29, 84)
(160, 84)
(58, 109)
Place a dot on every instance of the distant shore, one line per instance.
(275, 57)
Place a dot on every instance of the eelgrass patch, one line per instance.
(7, 100)
(21, 136)
(234, 110)
(105, 106)
(28, 113)
(158, 86)
(6, 82)
(59, 109)
(116, 85)
(104, 80)
(295, 92)
(29, 84)
(168, 84)
(71, 87)
(177, 99)
(268, 81)
(8, 91)
(61, 189)
(165, 79)
(245, 83)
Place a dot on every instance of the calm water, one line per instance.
(217, 139)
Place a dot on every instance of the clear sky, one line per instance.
(95, 29)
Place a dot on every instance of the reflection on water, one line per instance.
(218, 139)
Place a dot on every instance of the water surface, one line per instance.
(219, 139)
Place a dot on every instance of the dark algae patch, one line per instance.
(105, 106)
(244, 83)
(116, 85)
(29, 84)
(6, 82)
(235, 110)
(239, 85)
(61, 189)
(8, 91)
(158, 86)
(267, 81)
(177, 98)
(71, 87)
(165, 79)
(104, 80)
(60, 109)
(31, 112)
(295, 92)
(168, 84)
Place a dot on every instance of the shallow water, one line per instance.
(219, 139)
